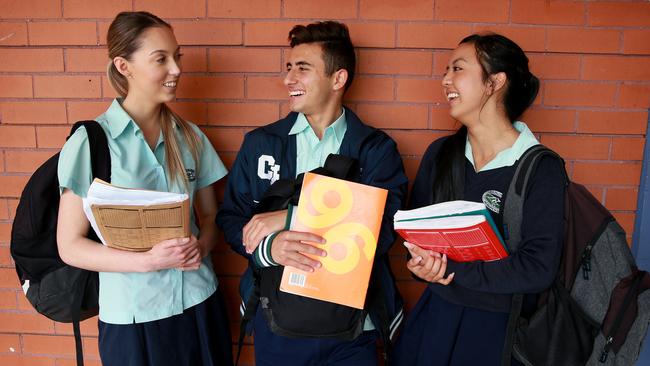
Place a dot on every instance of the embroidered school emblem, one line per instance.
(492, 200)
(191, 175)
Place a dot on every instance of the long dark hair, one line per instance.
(495, 53)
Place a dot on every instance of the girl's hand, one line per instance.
(175, 253)
(428, 265)
(260, 226)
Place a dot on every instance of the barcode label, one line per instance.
(297, 279)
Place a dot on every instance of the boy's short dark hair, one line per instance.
(334, 38)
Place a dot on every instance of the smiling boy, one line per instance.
(320, 68)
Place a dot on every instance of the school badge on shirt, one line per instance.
(492, 200)
(191, 175)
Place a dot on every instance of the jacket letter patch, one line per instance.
(267, 169)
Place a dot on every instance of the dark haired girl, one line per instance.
(462, 315)
(162, 306)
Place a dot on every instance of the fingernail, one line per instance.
(408, 245)
(418, 259)
(323, 254)
(185, 240)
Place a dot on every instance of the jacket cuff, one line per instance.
(262, 254)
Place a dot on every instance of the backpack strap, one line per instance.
(100, 159)
(512, 218)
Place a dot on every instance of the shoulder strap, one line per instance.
(342, 167)
(100, 156)
(516, 195)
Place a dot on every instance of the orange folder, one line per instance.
(348, 215)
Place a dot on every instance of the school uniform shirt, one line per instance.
(126, 298)
(490, 285)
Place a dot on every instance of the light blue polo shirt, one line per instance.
(126, 298)
(509, 156)
(311, 152)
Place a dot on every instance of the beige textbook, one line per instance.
(136, 219)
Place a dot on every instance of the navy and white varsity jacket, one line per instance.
(268, 153)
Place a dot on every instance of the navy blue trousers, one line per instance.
(275, 350)
(439, 333)
(200, 336)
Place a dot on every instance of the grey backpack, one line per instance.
(597, 311)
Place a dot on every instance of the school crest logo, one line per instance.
(191, 175)
(267, 168)
(492, 200)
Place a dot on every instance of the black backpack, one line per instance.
(597, 310)
(60, 292)
(292, 315)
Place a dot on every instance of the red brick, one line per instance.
(211, 33)
(33, 112)
(418, 35)
(627, 148)
(547, 12)
(4, 212)
(171, 8)
(414, 142)
(62, 33)
(25, 323)
(624, 123)
(7, 298)
(195, 112)
(12, 203)
(583, 40)
(397, 10)
(107, 88)
(621, 199)
(102, 30)
(616, 68)
(267, 33)
(244, 9)
(607, 173)
(25, 360)
(550, 120)
(15, 87)
(78, 111)
(31, 60)
(528, 38)
(13, 34)
(578, 147)
(88, 361)
(579, 94)
(30, 9)
(86, 60)
(91, 346)
(619, 14)
(626, 220)
(555, 66)
(17, 136)
(373, 34)
(265, 87)
(636, 41)
(634, 96)
(420, 90)
(9, 343)
(225, 139)
(245, 60)
(395, 62)
(23, 304)
(332, 9)
(394, 116)
(370, 89)
(25, 161)
(441, 120)
(5, 237)
(194, 59)
(88, 327)
(52, 345)
(53, 137)
(67, 86)
(242, 114)
(217, 87)
(490, 11)
(95, 9)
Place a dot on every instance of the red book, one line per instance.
(463, 230)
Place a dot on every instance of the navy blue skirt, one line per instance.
(440, 333)
(198, 336)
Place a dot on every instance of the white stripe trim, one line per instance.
(263, 247)
(396, 323)
(242, 308)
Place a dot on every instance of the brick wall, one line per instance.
(593, 58)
